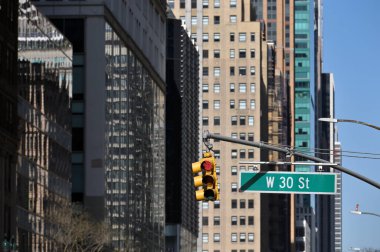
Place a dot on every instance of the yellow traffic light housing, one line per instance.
(207, 180)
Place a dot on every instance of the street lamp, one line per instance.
(334, 120)
(356, 211)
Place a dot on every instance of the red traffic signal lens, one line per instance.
(207, 165)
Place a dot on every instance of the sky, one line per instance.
(351, 51)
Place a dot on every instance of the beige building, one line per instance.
(244, 78)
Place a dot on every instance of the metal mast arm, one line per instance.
(208, 135)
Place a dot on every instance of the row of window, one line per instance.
(234, 237)
(234, 203)
(242, 88)
(243, 220)
(234, 120)
(242, 104)
(205, 4)
(242, 53)
(205, 20)
(242, 71)
(234, 250)
(217, 36)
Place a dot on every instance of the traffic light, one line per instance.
(207, 180)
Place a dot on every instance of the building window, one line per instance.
(242, 36)
(194, 36)
(182, 4)
(252, 87)
(242, 120)
(217, 237)
(205, 54)
(250, 221)
(205, 205)
(216, 120)
(242, 168)
(233, 3)
(234, 135)
(216, 71)
(216, 220)
(242, 53)
(242, 153)
(253, 70)
(205, 238)
(242, 237)
(183, 20)
(242, 203)
(217, 169)
(232, 71)
(205, 121)
(233, 153)
(216, 104)
(232, 36)
(232, 104)
(205, 4)
(232, 53)
(216, 88)
(205, 104)
(250, 120)
(216, 37)
(242, 220)
(205, 221)
(216, 3)
(232, 87)
(205, 71)
(205, 20)
(233, 187)
(205, 88)
(242, 71)
(242, 104)
(234, 237)
(217, 153)
(253, 104)
(251, 237)
(216, 20)
(233, 170)
(194, 20)
(233, 120)
(233, 18)
(234, 203)
(252, 36)
(242, 87)
(217, 54)
(253, 54)
(250, 137)
(250, 203)
(216, 204)
(205, 37)
(171, 4)
(250, 153)
(233, 220)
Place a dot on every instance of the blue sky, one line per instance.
(352, 53)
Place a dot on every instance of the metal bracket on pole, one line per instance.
(206, 140)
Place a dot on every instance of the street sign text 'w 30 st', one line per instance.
(288, 182)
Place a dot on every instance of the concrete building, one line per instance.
(8, 118)
(44, 153)
(118, 108)
(247, 58)
(182, 132)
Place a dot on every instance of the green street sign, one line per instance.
(288, 182)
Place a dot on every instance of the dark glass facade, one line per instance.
(8, 117)
(44, 114)
(135, 150)
(182, 131)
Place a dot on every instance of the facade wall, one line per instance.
(44, 149)
(8, 118)
(182, 129)
(118, 89)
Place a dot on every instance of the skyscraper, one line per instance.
(44, 153)
(118, 160)
(182, 130)
(246, 73)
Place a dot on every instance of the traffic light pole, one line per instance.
(207, 135)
